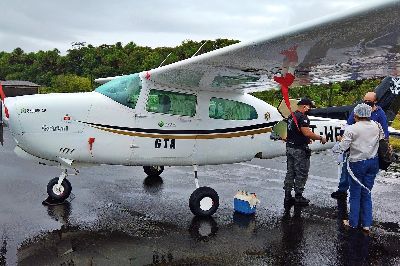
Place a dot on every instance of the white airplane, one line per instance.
(198, 111)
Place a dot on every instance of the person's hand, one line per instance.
(339, 138)
(323, 140)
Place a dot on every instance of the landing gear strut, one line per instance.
(204, 201)
(59, 188)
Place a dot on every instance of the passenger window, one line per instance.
(169, 102)
(231, 110)
(125, 90)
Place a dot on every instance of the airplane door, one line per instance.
(167, 127)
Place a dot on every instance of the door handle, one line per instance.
(140, 116)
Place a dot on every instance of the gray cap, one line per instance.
(363, 110)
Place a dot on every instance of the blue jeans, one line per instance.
(360, 198)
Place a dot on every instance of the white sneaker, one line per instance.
(366, 229)
(346, 224)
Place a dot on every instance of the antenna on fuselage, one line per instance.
(165, 59)
(198, 50)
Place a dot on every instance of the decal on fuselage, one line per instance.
(163, 124)
(330, 132)
(46, 128)
(164, 143)
(32, 111)
(395, 86)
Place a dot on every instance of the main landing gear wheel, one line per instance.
(204, 201)
(153, 170)
(59, 193)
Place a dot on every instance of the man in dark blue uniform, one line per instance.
(298, 153)
(377, 115)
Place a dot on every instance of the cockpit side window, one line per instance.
(170, 102)
(125, 90)
(231, 110)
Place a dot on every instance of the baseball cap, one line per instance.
(305, 101)
(362, 110)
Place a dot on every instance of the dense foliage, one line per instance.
(89, 62)
(323, 95)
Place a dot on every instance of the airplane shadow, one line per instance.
(353, 244)
(153, 184)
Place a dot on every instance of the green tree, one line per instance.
(68, 83)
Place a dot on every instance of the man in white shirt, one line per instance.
(363, 140)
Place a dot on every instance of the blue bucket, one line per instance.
(243, 206)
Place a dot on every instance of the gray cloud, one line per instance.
(48, 24)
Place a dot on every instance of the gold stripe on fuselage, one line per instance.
(199, 136)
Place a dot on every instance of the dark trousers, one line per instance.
(344, 177)
(298, 165)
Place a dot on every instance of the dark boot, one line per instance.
(339, 194)
(288, 198)
(300, 200)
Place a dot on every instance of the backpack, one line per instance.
(385, 154)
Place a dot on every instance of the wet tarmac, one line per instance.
(117, 216)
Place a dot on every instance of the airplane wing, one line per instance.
(359, 44)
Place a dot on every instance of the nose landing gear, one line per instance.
(59, 188)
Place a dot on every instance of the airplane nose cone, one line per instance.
(5, 112)
(10, 115)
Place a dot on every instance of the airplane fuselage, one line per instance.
(80, 128)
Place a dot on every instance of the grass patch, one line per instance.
(395, 142)
(396, 122)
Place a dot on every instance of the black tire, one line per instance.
(153, 170)
(67, 188)
(204, 201)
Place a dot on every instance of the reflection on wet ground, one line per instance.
(302, 235)
(153, 184)
(117, 216)
(3, 251)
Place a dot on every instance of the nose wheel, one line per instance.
(59, 192)
(59, 188)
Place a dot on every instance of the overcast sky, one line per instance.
(48, 24)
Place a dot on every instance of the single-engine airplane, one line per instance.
(199, 111)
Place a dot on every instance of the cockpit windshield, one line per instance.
(124, 90)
